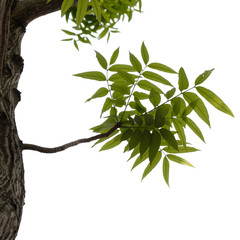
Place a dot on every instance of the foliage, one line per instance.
(151, 113)
(96, 18)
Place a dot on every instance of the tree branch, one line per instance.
(68, 145)
(27, 10)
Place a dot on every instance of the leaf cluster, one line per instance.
(96, 18)
(151, 112)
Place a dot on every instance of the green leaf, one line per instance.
(161, 67)
(145, 141)
(165, 169)
(213, 99)
(75, 44)
(137, 105)
(138, 120)
(81, 10)
(135, 139)
(192, 125)
(112, 143)
(146, 85)
(164, 109)
(101, 92)
(93, 75)
(154, 97)
(140, 159)
(126, 76)
(169, 137)
(66, 4)
(107, 105)
(179, 160)
(97, 9)
(126, 134)
(152, 165)
(180, 131)
(135, 63)
(159, 119)
(170, 93)
(189, 108)
(200, 108)
(154, 145)
(201, 78)
(106, 138)
(181, 149)
(134, 152)
(144, 52)
(156, 77)
(183, 80)
(120, 88)
(140, 95)
(102, 61)
(148, 119)
(121, 67)
(103, 33)
(68, 32)
(114, 56)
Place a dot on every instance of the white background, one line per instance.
(84, 194)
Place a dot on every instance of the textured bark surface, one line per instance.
(14, 16)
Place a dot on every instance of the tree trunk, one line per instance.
(14, 16)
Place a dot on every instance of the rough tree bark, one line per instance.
(14, 17)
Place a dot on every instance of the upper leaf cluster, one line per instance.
(96, 18)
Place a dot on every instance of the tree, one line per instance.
(14, 18)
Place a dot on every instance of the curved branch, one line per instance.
(26, 11)
(68, 145)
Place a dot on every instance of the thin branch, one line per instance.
(68, 145)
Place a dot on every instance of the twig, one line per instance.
(68, 145)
